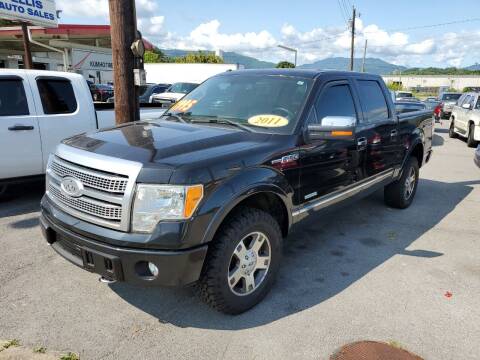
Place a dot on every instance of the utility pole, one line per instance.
(27, 55)
(123, 30)
(352, 50)
(364, 55)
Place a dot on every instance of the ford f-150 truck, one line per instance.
(40, 108)
(207, 193)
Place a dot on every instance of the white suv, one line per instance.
(465, 119)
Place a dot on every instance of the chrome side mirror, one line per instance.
(331, 128)
(466, 106)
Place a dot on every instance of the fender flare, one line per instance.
(238, 195)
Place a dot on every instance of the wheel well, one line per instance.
(418, 153)
(268, 202)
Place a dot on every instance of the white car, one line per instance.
(173, 94)
(465, 119)
(38, 109)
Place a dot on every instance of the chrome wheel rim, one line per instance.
(249, 264)
(410, 183)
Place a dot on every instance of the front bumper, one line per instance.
(176, 268)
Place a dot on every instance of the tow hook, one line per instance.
(106, 281)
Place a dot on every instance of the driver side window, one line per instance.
(335, 100)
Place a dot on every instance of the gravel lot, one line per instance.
(367, 272)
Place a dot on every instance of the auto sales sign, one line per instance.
(34, 12)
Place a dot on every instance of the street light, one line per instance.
(290, 49)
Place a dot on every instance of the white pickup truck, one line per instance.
(40, 108)
(465, 118)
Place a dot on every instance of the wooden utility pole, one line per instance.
(27, 55)
(123, 28)
(364, 55)
(352, 50)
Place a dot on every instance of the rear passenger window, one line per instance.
(336, 100)
(373, 101)
(13, 101)
(57, 96)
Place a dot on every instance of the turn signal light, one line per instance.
(342, 133)
(193, 197)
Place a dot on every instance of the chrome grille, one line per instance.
(97, 180)
(108, 187)
(87, 205)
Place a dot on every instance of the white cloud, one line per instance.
(314, 44)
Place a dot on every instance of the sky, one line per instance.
(407, 32)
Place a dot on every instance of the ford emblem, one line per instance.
(71, 187)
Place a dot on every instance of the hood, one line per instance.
(169, 146)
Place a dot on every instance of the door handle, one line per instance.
(361, 142)
(20, 127)
(394, 133)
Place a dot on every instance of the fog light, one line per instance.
(153, 269)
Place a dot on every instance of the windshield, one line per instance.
(264, 103)
(451, 96)
(182, 88)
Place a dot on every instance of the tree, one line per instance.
(7, 23)
(199, 57)
(155, 56)
(285, 65)
(395, 86)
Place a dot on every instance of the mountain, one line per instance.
(372, 65)
(475, 66)
(228, 57)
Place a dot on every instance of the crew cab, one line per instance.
(207, 193)
(465, 119)
(37, 110)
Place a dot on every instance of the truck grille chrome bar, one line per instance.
(106, 186)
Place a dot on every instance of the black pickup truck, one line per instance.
(206, 193)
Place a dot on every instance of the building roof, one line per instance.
(11, 38)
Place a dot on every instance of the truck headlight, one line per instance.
(154, 203)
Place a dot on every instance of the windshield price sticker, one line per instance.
(184, 105)
(268, 121)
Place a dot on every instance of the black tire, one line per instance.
(451, 131)
(213, 286)
(470, 141)
(396, 193)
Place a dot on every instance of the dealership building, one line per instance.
(84, 49)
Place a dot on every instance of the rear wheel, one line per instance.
(242, 262)
(470, 140)
(400, 193)
(451, 132)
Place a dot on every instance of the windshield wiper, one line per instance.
(222, 121)
(175, 116)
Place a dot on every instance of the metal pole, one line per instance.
(364, 55)
(123, 31)
(27, 56)
(352, 50)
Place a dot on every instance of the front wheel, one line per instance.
(451, 131)
(242, 262)
(470, 140)
(400, 193)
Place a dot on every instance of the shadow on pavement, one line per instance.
(437, 140)
(441, 131)
(23, 199)
(320, 261)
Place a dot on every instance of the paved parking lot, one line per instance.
(368, 272)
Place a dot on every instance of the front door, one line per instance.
(327, 164)
(377, 131)
(20, 146)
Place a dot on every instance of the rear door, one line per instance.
(64, 108)
(377, 131)
(20, 147)
(327, 164)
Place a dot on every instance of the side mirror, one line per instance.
(332, 128)
(466, 106)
